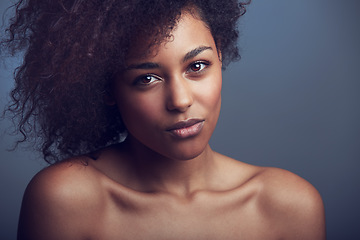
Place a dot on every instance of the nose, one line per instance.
(179, 94)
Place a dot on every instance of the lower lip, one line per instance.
(187, 132)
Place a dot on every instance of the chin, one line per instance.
(187, 153)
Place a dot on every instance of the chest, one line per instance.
(207, 219)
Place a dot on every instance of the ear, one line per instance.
(219, 56)
(218, 44)
(109, 99)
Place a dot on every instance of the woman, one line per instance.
(96, 72)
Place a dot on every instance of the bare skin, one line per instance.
(165, 184)
(76, 201)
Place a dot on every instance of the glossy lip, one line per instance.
(187, 128)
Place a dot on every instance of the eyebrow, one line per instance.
(193, 53)
(146, 65)
(151, 65)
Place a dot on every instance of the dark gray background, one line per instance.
(291, 102)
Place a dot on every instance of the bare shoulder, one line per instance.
(55, 197)
(291, 203)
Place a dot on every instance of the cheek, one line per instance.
(210, 94)
(139, 110)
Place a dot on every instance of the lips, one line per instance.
(187, 128)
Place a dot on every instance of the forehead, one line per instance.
(189, 32)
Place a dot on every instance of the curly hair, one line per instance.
(73, 48)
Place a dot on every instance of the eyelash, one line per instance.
(151, 77)
(204, 63)
(145, 77)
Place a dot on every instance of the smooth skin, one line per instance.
(157, 185)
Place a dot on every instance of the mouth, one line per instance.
(187, 128)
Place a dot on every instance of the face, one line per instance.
(170, 99)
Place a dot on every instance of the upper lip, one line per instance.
(184, 124)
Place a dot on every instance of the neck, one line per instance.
(156, 173)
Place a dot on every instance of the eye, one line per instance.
(197, 67)
(146, 80)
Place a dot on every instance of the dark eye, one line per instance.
(145, 80)
(197, 66)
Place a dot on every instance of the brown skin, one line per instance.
(159, 186)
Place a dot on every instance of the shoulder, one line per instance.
(284, 187)
(58, 197)
(291, 203)
(73, 179)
